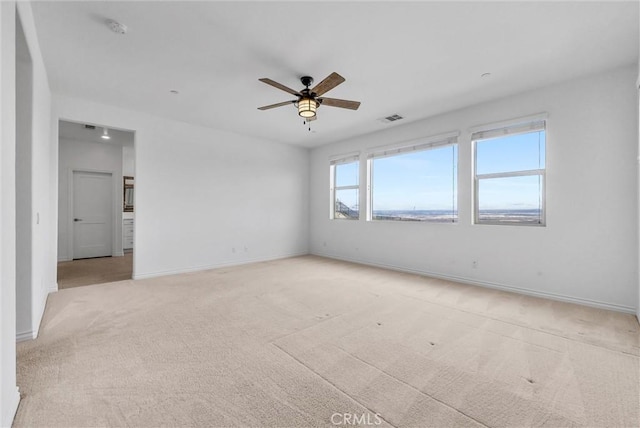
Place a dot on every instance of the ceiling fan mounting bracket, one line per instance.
(306, 80)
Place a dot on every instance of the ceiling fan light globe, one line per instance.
(307, 107)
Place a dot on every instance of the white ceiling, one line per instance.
(417, 59)
(78, 132)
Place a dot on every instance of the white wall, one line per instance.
(206, 198)
(38, 214)
(587, 252)
(38, 218)
(87, 156)
(128, 161)
(9, 396)
(24, 186)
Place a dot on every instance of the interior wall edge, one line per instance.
(638, 190)
(40, 102)
(11, 409)
(9, 396)
(486, 284)
(218, 265)
(39, 314)
(37, 320)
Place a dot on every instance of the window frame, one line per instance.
(416, 145)
(526, 125)
(333, 189)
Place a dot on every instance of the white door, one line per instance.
(92, 211)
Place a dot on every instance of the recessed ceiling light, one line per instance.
(485, 75)
(117, 27)
(105, 134)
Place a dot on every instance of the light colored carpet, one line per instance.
(99, 270)
(296, 342)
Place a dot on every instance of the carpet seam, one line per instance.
(305, 328)
(332, 384)
(527, 327)
(412, 387)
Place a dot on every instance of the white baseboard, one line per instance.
(113, 254)
(26, 335)
(486, 284)
(33, 333)
(216, 266)
(53, 287)
(9, 412)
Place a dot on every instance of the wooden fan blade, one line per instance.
(331, 81)
(334, 102)
(284, 103)
(279, 86)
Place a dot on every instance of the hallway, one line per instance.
(77, 273)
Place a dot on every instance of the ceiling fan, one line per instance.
(308, 100)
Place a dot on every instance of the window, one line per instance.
(344, 189)
(415, 183)
(510, 174)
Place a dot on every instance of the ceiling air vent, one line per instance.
(391, 118)
(89, 127)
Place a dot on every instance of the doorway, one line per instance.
(92, 227)
(95, 220)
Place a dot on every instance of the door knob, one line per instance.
(77, 219)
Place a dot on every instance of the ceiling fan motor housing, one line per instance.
(306, 80)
